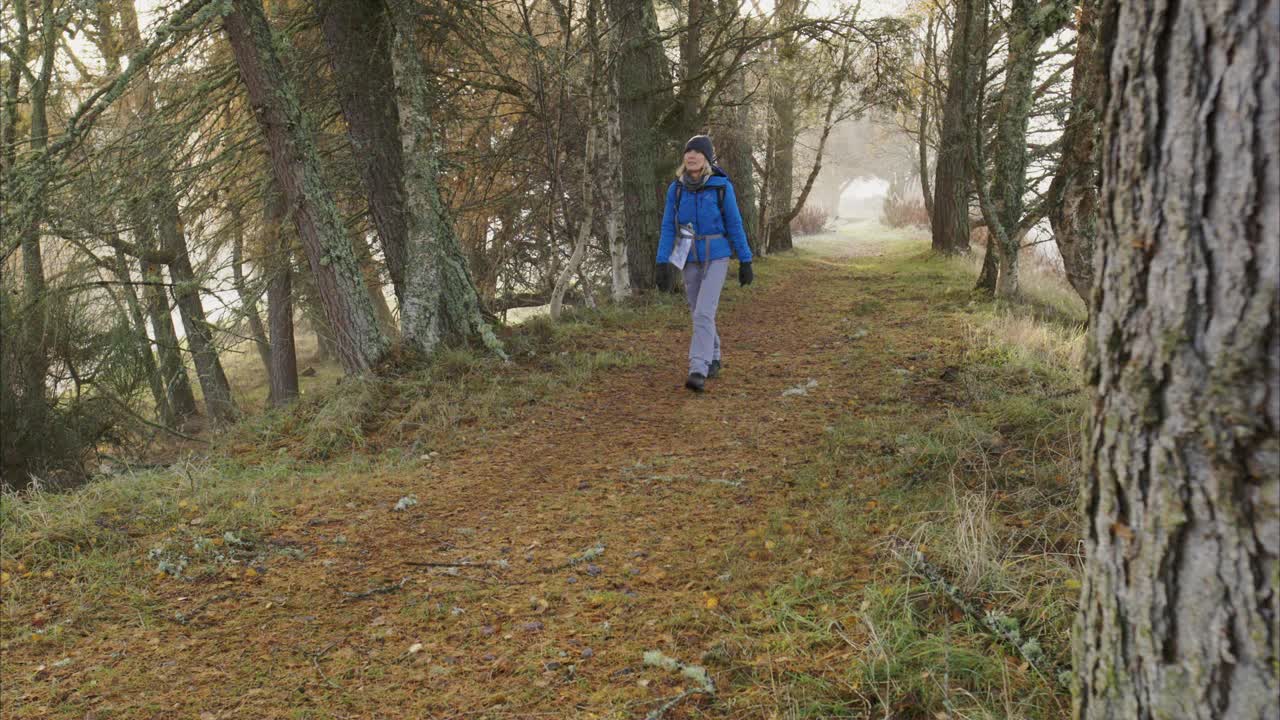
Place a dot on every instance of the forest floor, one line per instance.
(563, 514)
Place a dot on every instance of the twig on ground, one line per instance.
(696, 673)
(1003, 627)
(315, 662)
(377, 591)
(658, 712)
(587, 555)
(420, 563)
(184, 618)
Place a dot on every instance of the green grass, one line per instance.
(980, 482)
(104, 542)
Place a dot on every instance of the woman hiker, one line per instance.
(701, 228)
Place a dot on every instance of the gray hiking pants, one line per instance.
(702, 284)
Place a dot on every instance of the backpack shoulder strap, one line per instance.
(679, 187)
(720, 200)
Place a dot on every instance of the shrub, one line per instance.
(901, 211)
(50, 431)
(811, 219)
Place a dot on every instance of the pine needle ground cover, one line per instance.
(491, 540)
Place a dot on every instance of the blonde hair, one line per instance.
(706, 170)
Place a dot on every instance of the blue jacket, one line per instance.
(701, 207)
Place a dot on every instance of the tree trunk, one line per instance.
(780, 171)
(441, 303)
(248, 303)
(782, 102)
(199, 333)
(922, 137)
(584, 225)
(164, 413)
(1030, 23)
(828, 122)
(735, 151)
(159, 209)
(643, 89)
(373, 281)
(282, 371)
(172, 370)
(690, 95)
(35, 356)
(610, 172)
(297, 169)
(12, 86)
(1073, 212)
(953, 175)
(1181, 593)
(356, 33)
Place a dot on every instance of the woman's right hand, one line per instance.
(664, 276)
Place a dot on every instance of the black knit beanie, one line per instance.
(702, 144)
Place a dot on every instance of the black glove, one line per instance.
(745, 276)
(665, 278)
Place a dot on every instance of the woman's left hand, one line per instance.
(745, 276)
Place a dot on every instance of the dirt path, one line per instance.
(672, 489)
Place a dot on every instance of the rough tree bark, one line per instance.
(186, 293)
(782, 136)
(282, 370)
(1030, 22)
(35, 356)
(161, 209)
(644, 87)
(441, 303)
(1073, 213)
(735, 150)
(690, 95)
(953, 177)
(1181, 597)
(609, 172)
(922, 136)
(358, 37)
(296, 166)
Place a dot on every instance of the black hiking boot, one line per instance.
(713, 371)
(697, 382)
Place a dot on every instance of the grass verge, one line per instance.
(73, 559)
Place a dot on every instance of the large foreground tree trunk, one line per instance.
(953, 175)
(1181, 592)
(297, 169)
